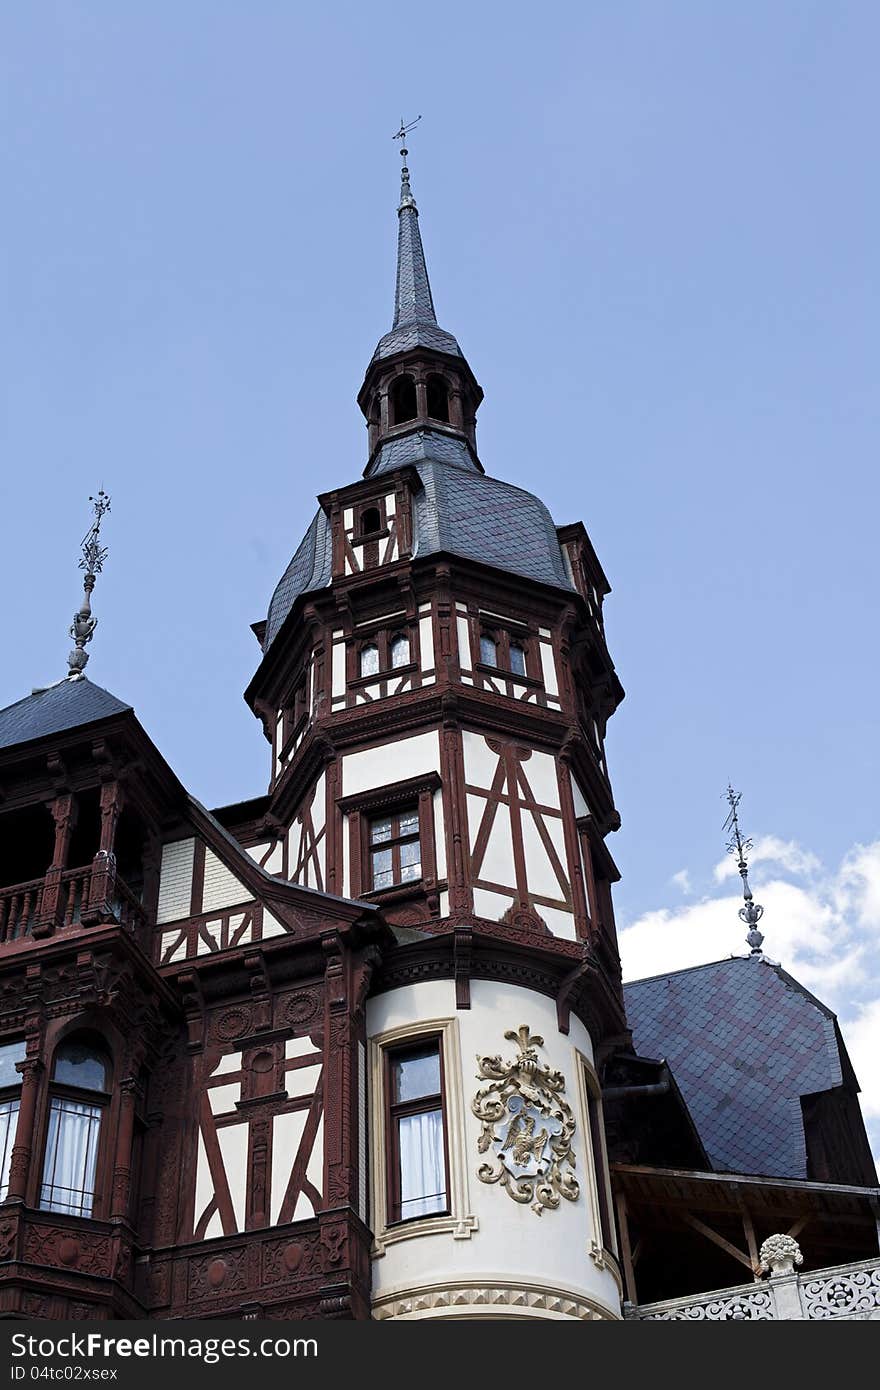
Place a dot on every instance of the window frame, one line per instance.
(10, 1094)
(395, 843)
(396, 1110)
(383, 639)
(603, 1250)
(460, 1221)
(362, 807)
(79, 1095)
(506, 636)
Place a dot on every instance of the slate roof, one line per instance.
(745, 1041)
(415, 322)
(66, 705)
(458, 510)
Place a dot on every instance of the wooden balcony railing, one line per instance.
(21, 903)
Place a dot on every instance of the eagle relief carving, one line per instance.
(528, 1124)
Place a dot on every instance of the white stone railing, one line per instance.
(846, 1291)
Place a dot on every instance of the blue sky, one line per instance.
(653, 229)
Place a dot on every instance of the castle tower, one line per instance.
(435, 685)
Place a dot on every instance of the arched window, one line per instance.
(488, 649)
(371, 520)
(369, 660)
(403, 400)
(517, 659)
(10, 1098)
(400, 650)
(438, 398)
(78, 1098)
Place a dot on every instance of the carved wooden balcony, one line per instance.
(68, 899)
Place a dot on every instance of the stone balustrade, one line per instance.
(844, 1292)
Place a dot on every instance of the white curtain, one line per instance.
(422, 1169)
(8, 1126)
(71, 1157)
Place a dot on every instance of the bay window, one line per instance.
(78, 1098)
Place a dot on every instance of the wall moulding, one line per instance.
(490, 1298)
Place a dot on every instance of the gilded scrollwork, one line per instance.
(528, 1124)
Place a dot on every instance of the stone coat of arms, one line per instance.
(528, 1125)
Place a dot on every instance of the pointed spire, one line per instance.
(413, 302)
(93, 556)
(751, 912)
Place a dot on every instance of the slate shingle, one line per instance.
(66, 705)
(745, 1041)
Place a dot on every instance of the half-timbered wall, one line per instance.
(260, 1158)
(518, 855)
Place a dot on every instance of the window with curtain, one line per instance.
(517, 659)
(488, 649)
(399, 650)
(395, 849)
(369, 660)
(417, 1180)
(10, 1096)
(77, 1102)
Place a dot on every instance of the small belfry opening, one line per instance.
(404, 405)
(438, 399)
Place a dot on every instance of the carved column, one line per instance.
(20, 1165)
(456, 415)
(63, 810)
(103, 880)
(421, 398)
(122, 1158)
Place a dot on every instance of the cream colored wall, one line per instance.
(495, 1242)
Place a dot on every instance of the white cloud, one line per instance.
(823, 928)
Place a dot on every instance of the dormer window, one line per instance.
(438, 399)
(369, 660)
(400, 650)
(404, 405)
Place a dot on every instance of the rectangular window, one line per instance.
(395, 849)
(71, 1157)
(415, 1127)
(8, 1125)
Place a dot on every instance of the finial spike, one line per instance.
(92, 561)
(751, 912)
(406, 195)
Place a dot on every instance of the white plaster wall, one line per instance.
(512, 1243)
(390, 762)
(222, 888)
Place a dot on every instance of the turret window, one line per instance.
(418, 1177)
(369, 660)
(488, 649)
(517, 659)
(403, 400)
(78, 1099)
(10, 1096)
(395, 849)
(438, 399)
(400, 650)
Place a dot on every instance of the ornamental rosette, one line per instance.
(528, 1125)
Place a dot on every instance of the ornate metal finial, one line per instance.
(406, 197)
(92, 561)
(752, 912)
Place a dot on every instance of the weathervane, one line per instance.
(752, 912)
(92, 561)
(406, 198)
